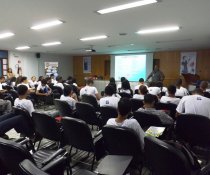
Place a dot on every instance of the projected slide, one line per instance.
(132, 67)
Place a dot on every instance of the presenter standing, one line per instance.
(156, 74)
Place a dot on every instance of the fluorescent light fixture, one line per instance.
(52, 43)
(159, 30)
(6, 35)
(88, 50)
(127, 6)
(93, 38)
(22, 48)
(46, 25)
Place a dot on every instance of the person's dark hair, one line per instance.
(172, 89)
(44, 81)
(40, 78)
(89, 81)
(149, 99)
(13, 79)
(141, 80)
(198, 91)
(59, 79)
(9, 70)
(23, 79)
(51, 75)
(112, 80)
(143, 90)
(22, 90)
(126, 85)
(178, 82)
(18, 80)
(69, 78)
(109, 90)
(159, 84)
(124, 106)
(67, 90)
(122, 79)
(204, 85)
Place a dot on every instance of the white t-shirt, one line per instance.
(32, 83)
(43, 88)
(24, 103)
(89, 90)
(154, 90)
(127, 91)
(109, 101)
(1, 87)
(181, 92)
(194, 104)
(132, 124)
(24, 84)
(59, 85)
(53, 81)
(138, 86)
(165, 99)
(69, 100)
(138, 96)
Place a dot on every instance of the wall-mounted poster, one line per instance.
(51, 68)
(188, 63)
(87, 64)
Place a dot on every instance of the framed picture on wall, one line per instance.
(51, 68)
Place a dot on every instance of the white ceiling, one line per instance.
(81, 20)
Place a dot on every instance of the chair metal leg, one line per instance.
(94, 156)
(39, 145)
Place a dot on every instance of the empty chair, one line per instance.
(123, 141)
(77, 134)
(63, 107)
(87, 113)
(12, 153)
(168, 107)
(147, 120)
(107, 112)
(165, 159)
(125, 95)
(136, 104)
(91, 100)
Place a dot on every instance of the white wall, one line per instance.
(35, 66)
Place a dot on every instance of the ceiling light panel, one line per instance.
(47, 25)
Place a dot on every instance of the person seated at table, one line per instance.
(180, 91)
(32, 82)
(24, 81)
(171, 96)
(43, 89)
(142, 92)
(141, 82)
(69, 96)
(124, 109)
(126, 88)
(59, 82)
(109, 99)
(149, 108)
(89, 89)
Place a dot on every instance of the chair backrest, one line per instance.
(11, 154)
(107, 112)
(87, 113)
(164, 159)
(194, 129)
(77, 134)
(63, 107)
(90, 99)
(136, 104)
(57, 89)
(146, 120)
(122, 141)
(46, 126)
(125, 95)
(28, 168)
(167, 106)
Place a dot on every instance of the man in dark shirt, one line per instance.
(156, 74)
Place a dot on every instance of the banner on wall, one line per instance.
(51, 68)
(188, 63)
(87, 64)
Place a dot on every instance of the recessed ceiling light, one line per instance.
(52, 43)
(22, 47)
(46, 25)
(6, 35)
(159, 30)
(126, 6)
(132, 44)
(94, 38)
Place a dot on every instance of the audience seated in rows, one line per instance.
(43, 89)
(153, 89)
(171, 96)
(142, 92)
(180, 91)
(32, 82)
(59, 82)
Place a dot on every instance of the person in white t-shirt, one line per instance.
(1, 84)
(180, 91)
(24, 81)
(89, 89)
(43, 89)
(153, 89)
(70, 97)
(126, 88)
(194, 104)
(124, 108)
(32, 82)
(53, 80)
(142, 92)
(18, 122)
(141, 82)
(59, 82)
(171, 96)
(109, 99)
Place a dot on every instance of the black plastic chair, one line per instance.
(169, 107)
(86, 112)
(47, 127)
(107, 112)
(63, 107)
(77, 134)
(123, 141)
(91, 100)
(57, 91)
(125, 95)
(147, 120)
(136, 104)
(12, 153)
(14, 95)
